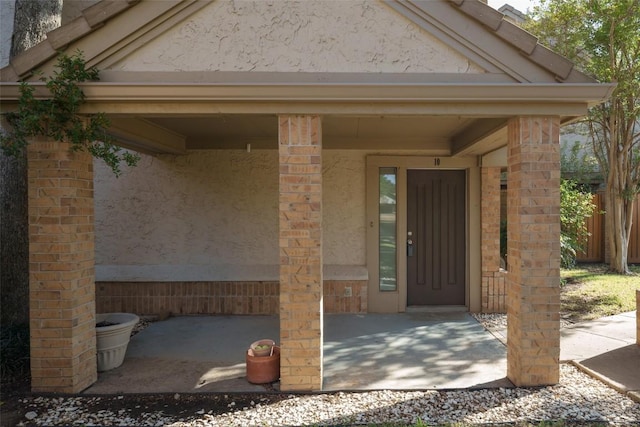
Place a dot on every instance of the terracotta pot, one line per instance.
(266, 351)
(263, 369)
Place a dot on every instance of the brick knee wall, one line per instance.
(494, 292)
(212, 298)
(345, 296)
(187, 298)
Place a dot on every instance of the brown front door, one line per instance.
(436, 229)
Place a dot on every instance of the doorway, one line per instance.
(436, 265)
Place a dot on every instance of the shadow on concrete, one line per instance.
(409, 351)
(589, 339)
(621, 367)
(361, 352)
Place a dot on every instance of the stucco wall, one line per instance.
(218, 209)
(206, 207)
(312, 36)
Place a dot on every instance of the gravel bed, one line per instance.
(142, 324)
(493, 321)
(577, 400)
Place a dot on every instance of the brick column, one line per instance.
(493, 280)
(61, 277)
(300, 212)
(533, 281)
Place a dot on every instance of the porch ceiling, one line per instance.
(441, 135)
(347, 132)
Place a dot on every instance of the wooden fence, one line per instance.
(595, 247)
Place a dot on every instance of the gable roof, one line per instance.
(91, 19)
(525, 42)
(496, 43)
(163, 111)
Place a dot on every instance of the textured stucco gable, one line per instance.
(443, 37)
(300, 36)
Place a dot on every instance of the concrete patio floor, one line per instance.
(361, 352)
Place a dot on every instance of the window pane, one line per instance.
(387, 243)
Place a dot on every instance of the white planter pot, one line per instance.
(112, 341)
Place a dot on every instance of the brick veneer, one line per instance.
(61, 256)
(493, 279)
(211, 298)
(494, 292)
(300, 215)
(533, 282)
(336, 300)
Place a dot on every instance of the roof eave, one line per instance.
(589, 93)
(469, 100)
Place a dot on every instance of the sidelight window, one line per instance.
(388, 214)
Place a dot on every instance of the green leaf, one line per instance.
(58, 118)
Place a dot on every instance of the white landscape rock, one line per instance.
(578, 398)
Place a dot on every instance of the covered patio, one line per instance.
(410, 351)
(282, 178)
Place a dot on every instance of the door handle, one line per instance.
(409, 247)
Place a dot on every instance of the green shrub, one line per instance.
(58, 116)
(575, 207)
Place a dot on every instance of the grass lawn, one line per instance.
(591, 292)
